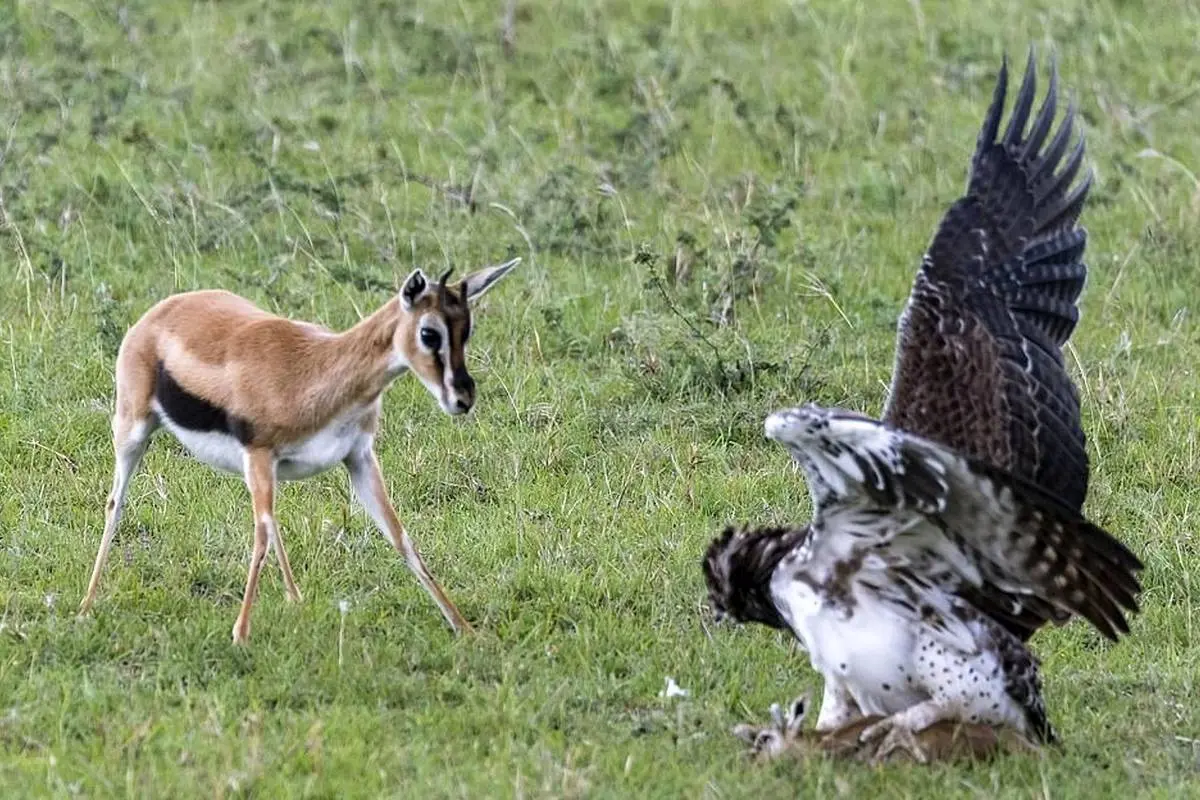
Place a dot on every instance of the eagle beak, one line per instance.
(790, 426)
(777, 425)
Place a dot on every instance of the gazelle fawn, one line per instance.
(272, 399)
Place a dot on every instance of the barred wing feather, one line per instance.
(979, 365)
(988, 531)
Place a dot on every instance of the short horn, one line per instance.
(443, 290)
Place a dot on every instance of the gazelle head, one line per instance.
(431, 338)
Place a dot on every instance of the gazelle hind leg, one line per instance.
(289, 582)
(367, 480)
(130, 440)
(260, 479)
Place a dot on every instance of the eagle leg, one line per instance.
(838, 707)
(913, 719)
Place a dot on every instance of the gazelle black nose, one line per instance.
(463, 405)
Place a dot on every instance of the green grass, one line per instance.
(645, 158)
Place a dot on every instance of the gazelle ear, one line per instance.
(777, 718)
(479, 282)
(796, 713)
(415, 285)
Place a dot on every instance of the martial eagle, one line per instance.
(944, 535)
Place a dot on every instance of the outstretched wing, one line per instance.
(979, 364)
(886, 499)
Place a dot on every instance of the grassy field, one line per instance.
(720, 207)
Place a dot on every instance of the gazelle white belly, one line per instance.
(314, 454)
(321, 450)
(219, 450)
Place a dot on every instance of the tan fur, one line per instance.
(290, 380)
(944, 741)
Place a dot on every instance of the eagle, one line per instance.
(948, 532)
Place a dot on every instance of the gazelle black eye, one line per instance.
(431, 338)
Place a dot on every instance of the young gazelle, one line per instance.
(272, 399)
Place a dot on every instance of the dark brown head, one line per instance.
(738, 568)
(432, 338)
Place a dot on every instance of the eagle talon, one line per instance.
(900, 738)
(874, 732)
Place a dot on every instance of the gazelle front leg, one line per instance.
(367, 480)
(260, 479)
(130, 439)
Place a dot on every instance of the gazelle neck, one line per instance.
(372, 342)
(357, 365)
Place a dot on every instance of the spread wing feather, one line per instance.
(979, 365)
(922, 510)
